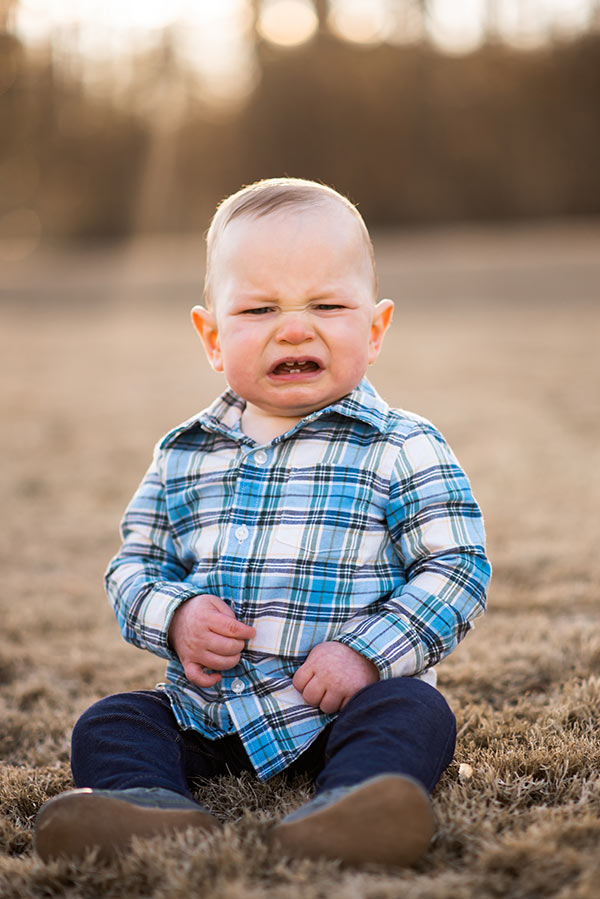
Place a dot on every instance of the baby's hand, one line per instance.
(332, 674)
(205, 632)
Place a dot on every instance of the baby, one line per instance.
(301, 555)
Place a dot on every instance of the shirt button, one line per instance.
(260, 457)
(242, 533)
(238, 686)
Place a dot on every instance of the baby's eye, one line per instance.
(259, 310)
(328, 307)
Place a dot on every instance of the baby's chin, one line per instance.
(293, 411)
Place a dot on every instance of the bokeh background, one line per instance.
(120, 118)
(468, 131)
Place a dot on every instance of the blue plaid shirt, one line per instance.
(357, 525)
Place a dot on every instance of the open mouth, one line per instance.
(296, 367)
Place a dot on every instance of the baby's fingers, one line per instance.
(331, 703)
(219, 662)
(223, 646)
(313, 693)
(302, 677)
(197, 675)
(230, 627)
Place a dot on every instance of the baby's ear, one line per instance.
(205, 323)
(382, 319)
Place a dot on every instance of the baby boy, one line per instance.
(301, 554)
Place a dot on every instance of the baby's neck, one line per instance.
(263, 427)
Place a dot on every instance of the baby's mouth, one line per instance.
(295, 367)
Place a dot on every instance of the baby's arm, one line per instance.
(157, 607)
(332, 674)
(437, 531)
(205, 632)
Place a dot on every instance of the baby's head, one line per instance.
(283, 195)
(291, 316)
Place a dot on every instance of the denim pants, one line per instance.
(397, 726)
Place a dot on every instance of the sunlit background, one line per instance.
(216, 37)
(118, 118)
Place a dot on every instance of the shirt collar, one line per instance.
(364, 404)
(225, 413)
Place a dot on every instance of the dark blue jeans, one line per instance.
(397, 726)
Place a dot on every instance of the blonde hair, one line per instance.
(269, 195)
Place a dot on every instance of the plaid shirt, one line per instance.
(357, 525)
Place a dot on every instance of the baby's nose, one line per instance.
(294, 327)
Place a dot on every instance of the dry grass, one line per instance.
(495, 339)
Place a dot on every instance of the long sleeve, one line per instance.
(437, 532)
(145, 581)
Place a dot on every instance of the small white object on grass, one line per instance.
(465, 772)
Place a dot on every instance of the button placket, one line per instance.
(241, 533)
(238, 686)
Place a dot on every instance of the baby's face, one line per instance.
(293, 323)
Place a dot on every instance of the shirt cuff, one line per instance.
(392, 653)
(149, 627)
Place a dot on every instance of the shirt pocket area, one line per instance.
(305, 541)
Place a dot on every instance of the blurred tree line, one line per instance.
(410, 133)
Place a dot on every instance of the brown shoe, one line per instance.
(386, 820)
(72, 823)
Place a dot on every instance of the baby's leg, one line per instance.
(396, 726)
(130, 740)
(385, 752)
(133, 765)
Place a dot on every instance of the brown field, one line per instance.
(496, 339)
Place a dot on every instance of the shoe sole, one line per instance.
(387, 822)
(69, 826)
